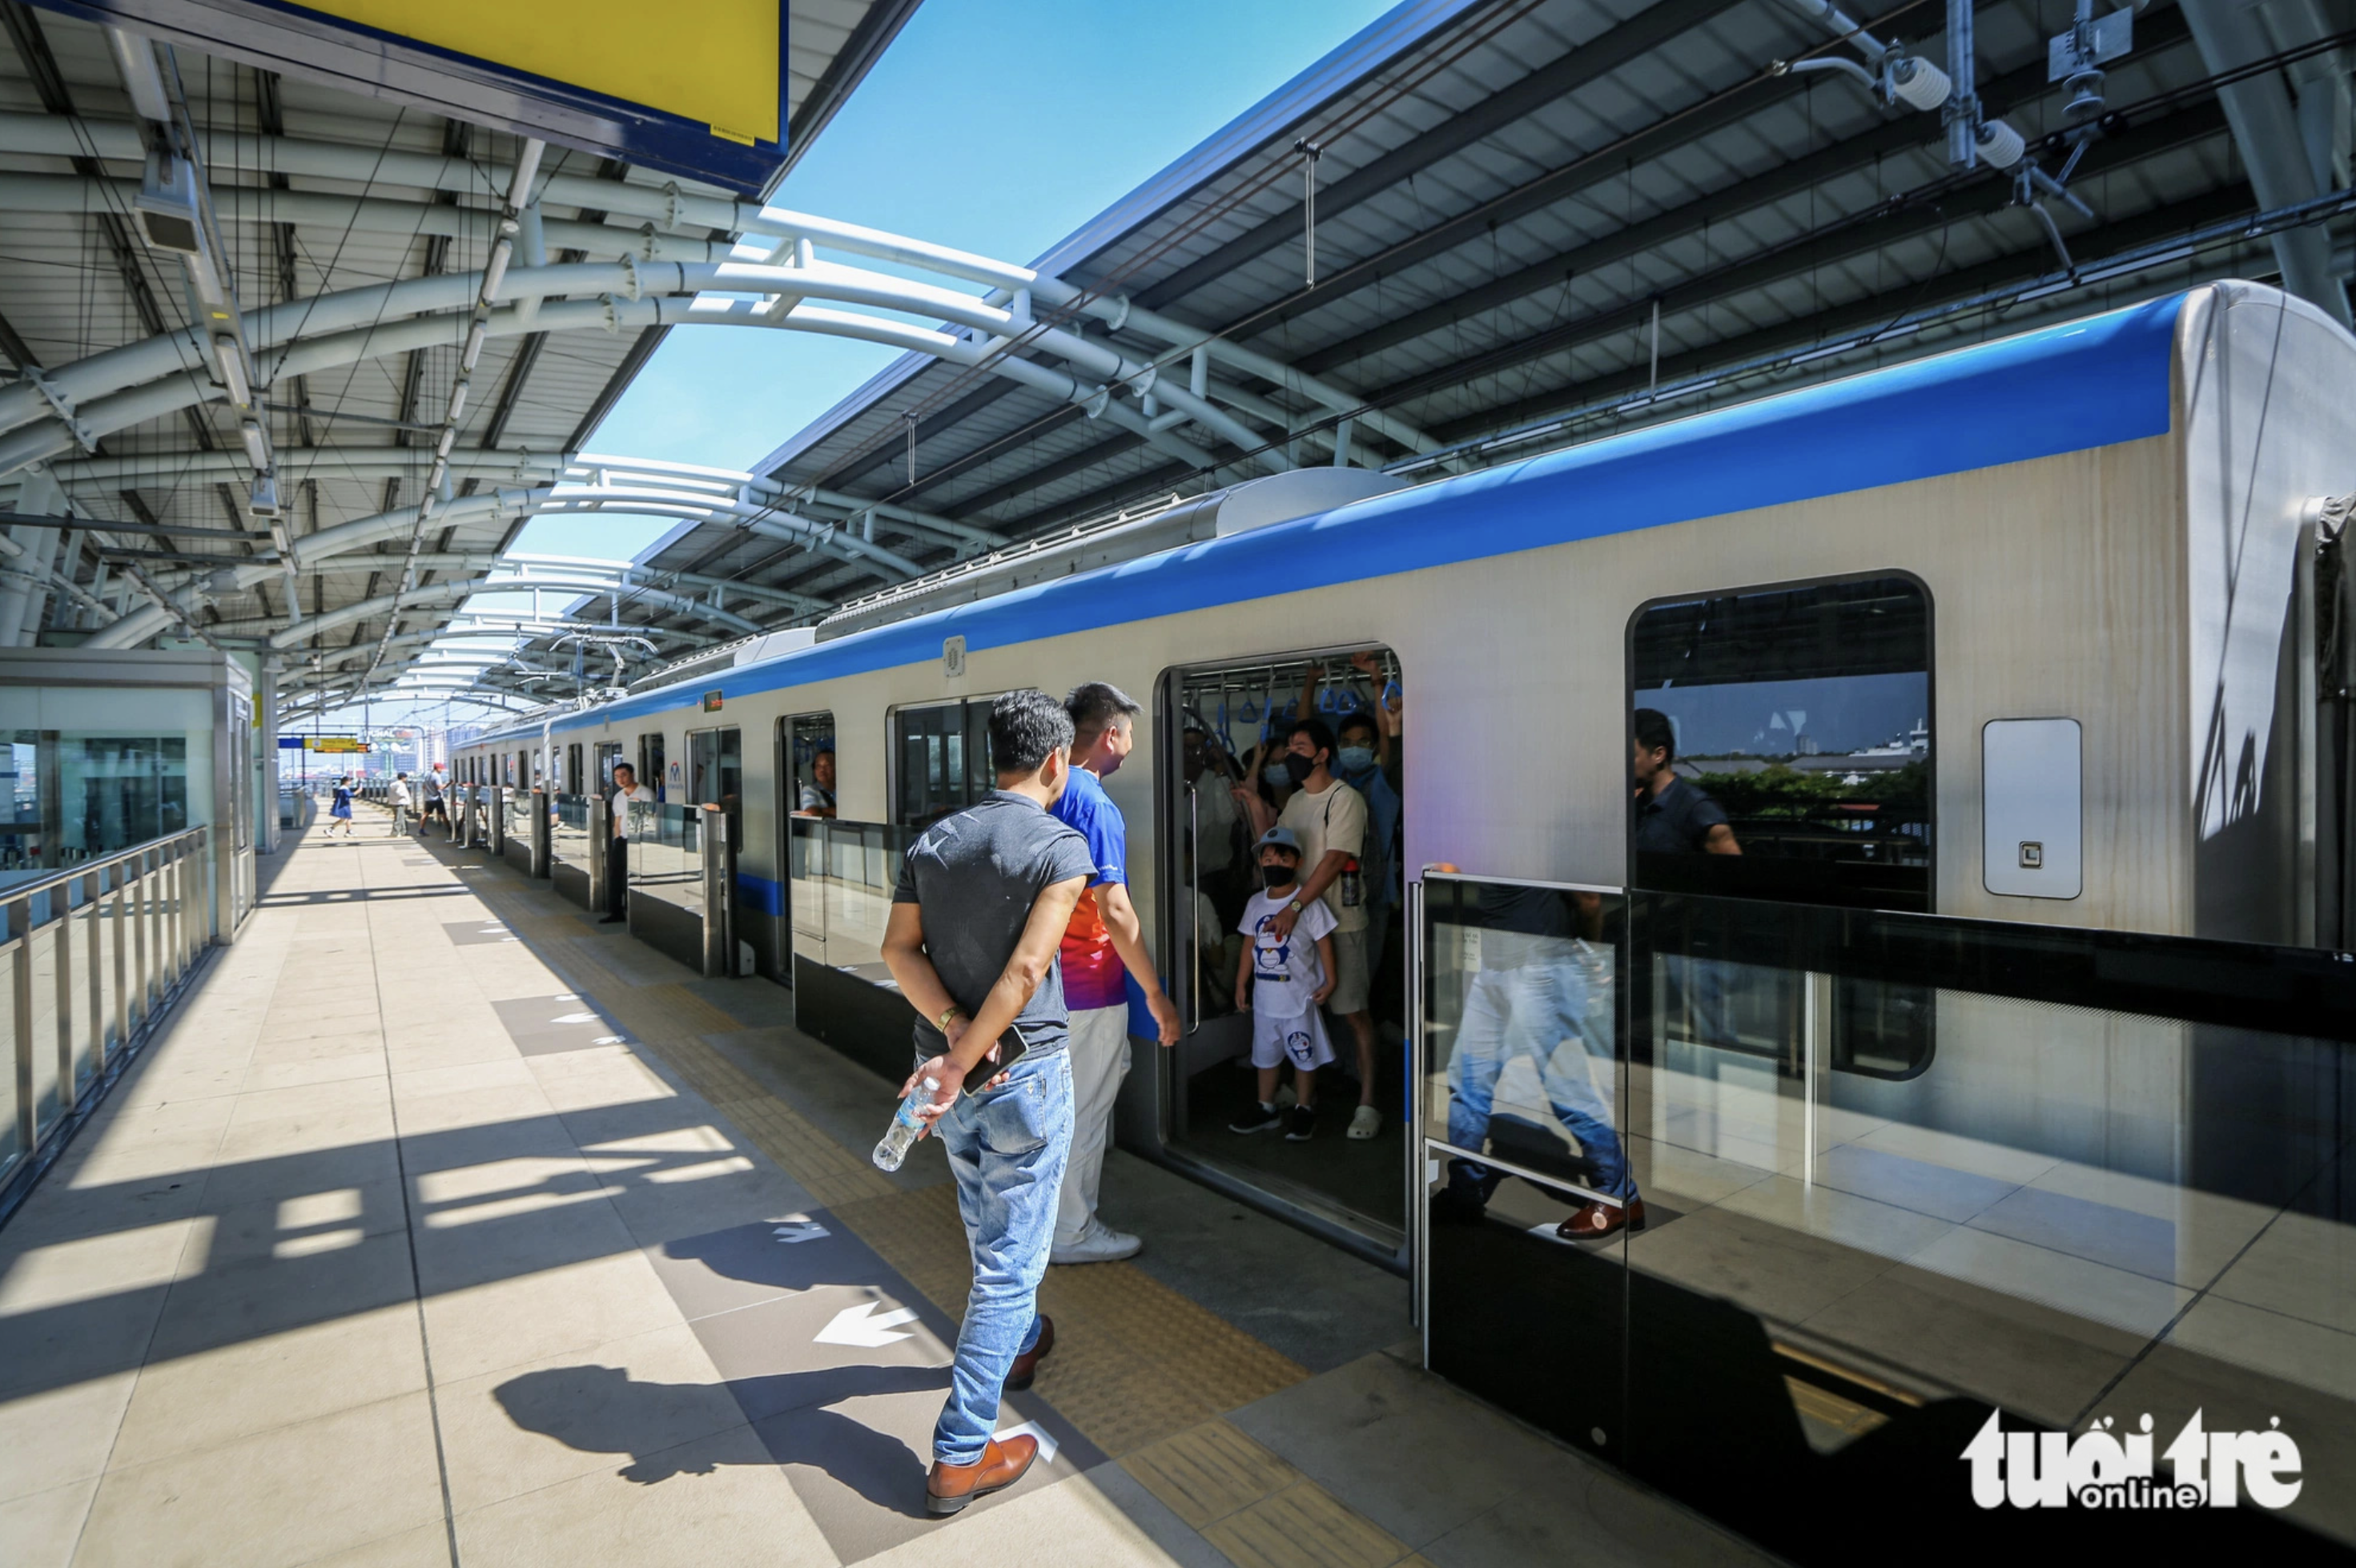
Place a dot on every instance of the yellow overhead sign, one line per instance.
(334, 743)
(716, 62)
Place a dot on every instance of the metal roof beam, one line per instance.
(2026, 262)
(2162, 29)
(1647, 30)
(1904, 218)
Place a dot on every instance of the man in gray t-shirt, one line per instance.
(979, 913)
(975, 875)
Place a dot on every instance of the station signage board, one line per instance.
(342, 745)
(698, 93)
(711, 702)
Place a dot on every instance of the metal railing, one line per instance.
(95, 955)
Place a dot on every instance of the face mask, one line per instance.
(1275, 773)
(1297, 767)
(1356, 758)
(1275, 876)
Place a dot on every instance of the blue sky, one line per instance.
(993, 125)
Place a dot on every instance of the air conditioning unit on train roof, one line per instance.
(1105, 541)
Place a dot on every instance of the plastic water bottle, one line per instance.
(902, 1135)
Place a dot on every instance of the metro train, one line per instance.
(2048, 629)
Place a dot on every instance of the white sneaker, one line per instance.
(1100, 1244)
(1366, 1123)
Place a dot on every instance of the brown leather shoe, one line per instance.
(1596, 1220)
(1026, 1366)
(950, 1487)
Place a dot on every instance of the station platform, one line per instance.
(443, 1225)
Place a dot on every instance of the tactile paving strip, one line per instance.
(1256, 1508)
(1134, 1362)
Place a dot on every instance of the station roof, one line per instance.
(1531, 213)
(353, 441)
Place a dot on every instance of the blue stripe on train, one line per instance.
(760, 892)
(2062, 389)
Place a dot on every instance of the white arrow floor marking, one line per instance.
(852, 1326)
(575, 1019)
(802, 1230)
(1047, 1445)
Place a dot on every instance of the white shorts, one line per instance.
(1300, 1040)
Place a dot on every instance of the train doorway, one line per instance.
(806, 787)
(1226, 730)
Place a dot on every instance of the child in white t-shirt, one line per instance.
(1280, 981)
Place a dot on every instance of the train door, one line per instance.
(1225, 733)
(715, 776)
(609, 756)
(806, 786)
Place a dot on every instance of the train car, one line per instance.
(2028, 632)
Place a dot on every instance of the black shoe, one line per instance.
(1258, 1119)
(1304, 1124)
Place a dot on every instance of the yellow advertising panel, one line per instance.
(716, 62)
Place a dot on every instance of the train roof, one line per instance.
(2091, 383)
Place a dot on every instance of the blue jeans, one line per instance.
(1550, 1012)
(1007, 1147)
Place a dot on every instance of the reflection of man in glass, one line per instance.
(1675, 816)
(1544, 991)
(1672, 814)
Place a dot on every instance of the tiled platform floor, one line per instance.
(442, 1227)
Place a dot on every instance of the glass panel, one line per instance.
(843, 874)
(106, 943)
(1229, 724)
(44, 939)
(82, 932)
(666, 854)
(11, 1143)
(568, 833)
(1783, 743)
(2109, 1196)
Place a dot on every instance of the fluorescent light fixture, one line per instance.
(474, 347)
(135, 60)
(231, 364)
(257, 444)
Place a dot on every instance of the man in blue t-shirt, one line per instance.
(981, 902)
(1103, 947)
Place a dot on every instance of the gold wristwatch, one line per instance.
(951, 1010)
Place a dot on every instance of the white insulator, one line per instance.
(2000, 144)
(1919, 84)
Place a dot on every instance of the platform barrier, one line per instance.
(97, 954)
(838, 896)
(1795, 1211)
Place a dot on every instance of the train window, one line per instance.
(942, 757)
(715, 760)
(1780, 748)
(808, 776)
(650, 764)
(1783, 743)
(609, 756)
